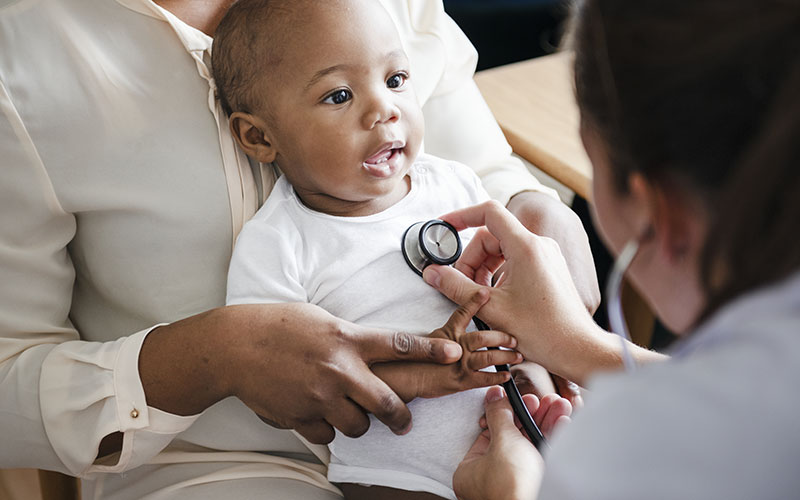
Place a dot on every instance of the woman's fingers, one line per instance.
(481, 256)
(317, 432)
(499, 415)
(374, 395)
(451, 283)
(491, 214)
(375, 346)
(350, 419)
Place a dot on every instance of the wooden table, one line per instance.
(534, 104)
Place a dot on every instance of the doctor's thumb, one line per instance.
(499, 415)
(451, 283)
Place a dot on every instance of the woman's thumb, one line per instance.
(451, 283)
(499, 415)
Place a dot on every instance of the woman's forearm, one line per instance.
(181, 365)
(589, 351)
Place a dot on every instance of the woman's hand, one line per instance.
(535, 299)
(502, 463)
(543, 215)
(295, 365)
(428, 380)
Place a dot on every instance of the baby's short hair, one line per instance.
(244, 49)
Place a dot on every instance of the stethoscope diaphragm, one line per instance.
(431, 242)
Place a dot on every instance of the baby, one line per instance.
(323, 90)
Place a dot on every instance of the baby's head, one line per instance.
(321, 88)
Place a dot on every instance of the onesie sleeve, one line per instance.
(458, 123)
(59, 395)
(264, 264)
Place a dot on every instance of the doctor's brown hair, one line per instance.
(703, 93)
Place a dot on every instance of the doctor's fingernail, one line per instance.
(432, 277)
(494, 394)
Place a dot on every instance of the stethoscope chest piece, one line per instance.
(431, 242)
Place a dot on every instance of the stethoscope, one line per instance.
(437, 242)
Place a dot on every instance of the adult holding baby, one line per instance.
(118, 221)
(692, 131)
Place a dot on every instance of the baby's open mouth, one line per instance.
(384, 162)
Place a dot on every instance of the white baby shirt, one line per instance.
(354, 268)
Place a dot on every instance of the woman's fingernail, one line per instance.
(432, 277)
(494, 394)
(452, 350)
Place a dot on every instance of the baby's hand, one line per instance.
(427, 380)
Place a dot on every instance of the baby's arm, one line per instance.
(422, 380)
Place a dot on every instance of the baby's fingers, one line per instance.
(482, 359)
(475, 379)
(472, 341)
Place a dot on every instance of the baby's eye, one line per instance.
(340, 96)
(396, 81)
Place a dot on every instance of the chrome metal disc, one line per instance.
(431, 242)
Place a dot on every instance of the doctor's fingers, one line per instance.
(551, 412)
(500, 417)
(500, 222)
(481, 257)
(451, 283)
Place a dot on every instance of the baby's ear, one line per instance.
(250, 132)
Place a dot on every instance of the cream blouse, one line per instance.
(122, 193)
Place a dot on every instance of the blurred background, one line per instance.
(506, 31)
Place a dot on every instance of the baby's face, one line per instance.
(345, 121)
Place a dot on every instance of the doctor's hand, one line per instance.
(426, 380)
(543, 215)
(535, 299)
(502, 463)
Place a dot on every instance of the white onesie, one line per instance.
(353, 267)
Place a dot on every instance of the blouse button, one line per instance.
(134, 413)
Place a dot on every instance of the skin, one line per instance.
(669, 219)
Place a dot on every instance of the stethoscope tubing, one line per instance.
(517, 404)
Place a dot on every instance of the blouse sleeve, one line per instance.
(458, 123)
(59, 395)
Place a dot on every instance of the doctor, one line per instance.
(693, 133)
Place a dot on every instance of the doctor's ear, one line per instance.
(670, 214)
(251, 134)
